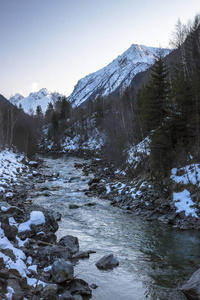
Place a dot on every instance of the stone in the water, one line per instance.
(73, 206)
(191, 288)
(107, 262)
(71, 242)
(62, 270)
(79, 286)
(67, 296)
(81, 254)
(93, 286)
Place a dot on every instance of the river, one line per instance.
(154, 258)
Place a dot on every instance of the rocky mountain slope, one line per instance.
(30, 103)
(117, 75)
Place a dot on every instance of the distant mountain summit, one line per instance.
(30, 103)
(117, 75)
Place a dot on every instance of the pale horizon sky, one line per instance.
(52, 44)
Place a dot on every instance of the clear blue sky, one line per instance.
(54, 43)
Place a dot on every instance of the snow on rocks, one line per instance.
(189, 174)
(11, 168)
(186, 179)
(36, 218)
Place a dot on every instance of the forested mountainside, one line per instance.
(162, 103)
(17, 129)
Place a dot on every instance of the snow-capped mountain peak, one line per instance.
(16, 98)
(116, 75)
(30, 103)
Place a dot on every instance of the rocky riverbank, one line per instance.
(140, 196)
(33, 265)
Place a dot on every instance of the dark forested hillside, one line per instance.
(17, 128)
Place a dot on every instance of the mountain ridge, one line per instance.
(30, 103)
(116, 75)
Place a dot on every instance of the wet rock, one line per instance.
(93, 286)
(33, 164)
(18, 292)
(79, 286)
(1, 263)
(62, 270)
(73, 206)
(153, 216)
(74, 179)
(67, 296)
(78, 297)
(192, 287)
(57, 216)
(13, 211)
(107, 262)
(43, 254)
(71, 242)
(81, 254)
(58, 251)
(4, 273)
(94, 180)
(8, 252)
(90, 204)
(49, 292)
(9, 231)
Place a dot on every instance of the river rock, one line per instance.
(81, 254)
(58, 251)
(94, 180)
(73, 206)
(67, 296)
(49, 292)
(18, 292)
(107, 262)
(62, 270)
(33, 164)
(71, 242)
(78, 297)
(79, 286)
(192, 287)
(9, 231)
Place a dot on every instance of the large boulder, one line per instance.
(191, 288)
(62, 270)
(107, 262)
(71, 242)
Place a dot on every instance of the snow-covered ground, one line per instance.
(93, 142)
(11, 168)
(184, 176)
(137, 152)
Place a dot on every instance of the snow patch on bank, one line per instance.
(136, 152)
(11, 167)
(183, 202)
(36, 218)
(189, 174)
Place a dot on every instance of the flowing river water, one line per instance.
(154, 258)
